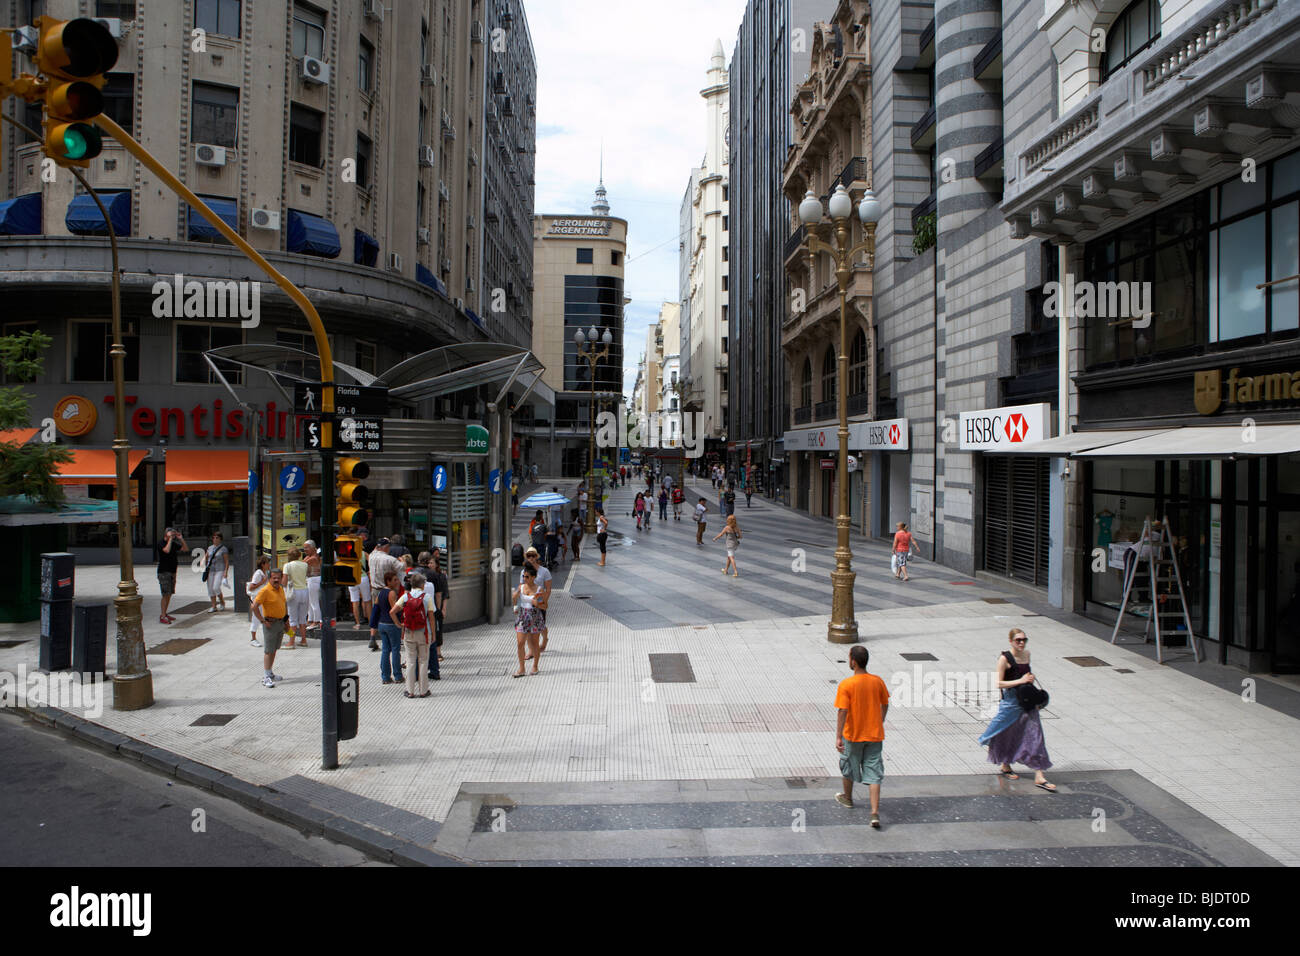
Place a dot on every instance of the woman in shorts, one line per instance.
(731, 531)
(903, 545)
(527, 620)
(217, 566)
(260, 576)
(313, 559)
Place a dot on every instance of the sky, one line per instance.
(628, 74)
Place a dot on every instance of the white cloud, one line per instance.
(629, 74)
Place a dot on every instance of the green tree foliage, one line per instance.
(26, 469)
(925, 233)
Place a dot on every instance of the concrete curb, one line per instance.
(268, 802)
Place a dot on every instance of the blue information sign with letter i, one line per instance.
(494, 480)
(292, 478)
(440, 479)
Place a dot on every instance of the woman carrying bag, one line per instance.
(1015, 734)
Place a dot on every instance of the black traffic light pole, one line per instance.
(328, 594)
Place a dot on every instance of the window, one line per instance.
(615, 257)
(367, 357)
(724, 223)
(805, 384)
(304, 135)
(724, 283)
(218, 16)
(419, 204)
(122, 9)
(724, 345)
(91, 342)
(215, 111)
(725, 379)
(33, 116)
(725, 194)
(119, 99)
(724, 253)
(308, 31)
(858, 364)
(828, 376)
(192, 340)
(363, 161)
(1132, 32)
(724, 313)
(584, 256)
(365, 61)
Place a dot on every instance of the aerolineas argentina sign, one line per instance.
(579, 227)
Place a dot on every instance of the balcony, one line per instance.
(856, 171)
(923, 130)
(988, 61)
(925, 46)
(795, 241)
(860, 404)
(803, 415)
(825, 410)
(988, 161)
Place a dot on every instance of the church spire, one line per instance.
(601, 206)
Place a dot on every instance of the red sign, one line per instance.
(894, 434)
(828, 464)
(202, 421)
(1017, 427)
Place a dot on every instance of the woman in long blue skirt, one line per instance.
(1016, 735)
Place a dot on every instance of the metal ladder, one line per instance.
(1156, 548)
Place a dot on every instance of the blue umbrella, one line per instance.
(543, 499)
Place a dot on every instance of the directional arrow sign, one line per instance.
(313, 433)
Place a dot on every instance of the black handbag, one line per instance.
(1031, 696)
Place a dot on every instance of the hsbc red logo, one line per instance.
(821, 439)
(894, 434)
(1017, 427)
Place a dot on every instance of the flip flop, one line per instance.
(1049, 787)
(512, 675)
(1009, 775)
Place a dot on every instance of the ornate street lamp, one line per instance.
(834, 239)
(680, 387)
(586, 343)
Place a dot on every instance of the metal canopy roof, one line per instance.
(430, 374)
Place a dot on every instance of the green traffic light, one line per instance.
(74, 143)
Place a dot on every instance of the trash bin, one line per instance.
(349, 686)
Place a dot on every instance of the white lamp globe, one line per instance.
(607, 338)
(810, 210)
(869, 208)
(579, 337)
(841, 204)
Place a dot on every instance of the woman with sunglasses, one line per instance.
(1016, 735)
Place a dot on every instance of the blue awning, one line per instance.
(473, 317)
(226, 209)
(21, 216)
(85, 219)
(365, 249)
(428, 278)
(313, 235)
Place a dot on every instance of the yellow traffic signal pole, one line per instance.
(328, 644)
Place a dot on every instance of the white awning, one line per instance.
(1205, 441)
(1063, 446)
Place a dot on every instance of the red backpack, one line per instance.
(413, 614)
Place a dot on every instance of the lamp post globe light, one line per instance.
(834, 239)
(586, 343)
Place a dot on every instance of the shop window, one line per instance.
(218, 16)
(91, 342)
(192, 340)
(1237, 265)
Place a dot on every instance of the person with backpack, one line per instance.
(537, 531)
(1015, 735)
(678, 497)
(415, 610)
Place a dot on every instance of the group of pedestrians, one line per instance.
(1014, 736)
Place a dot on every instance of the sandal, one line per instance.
(875, 821)
(1049, 787)
(407, 694)
(1009, 774)
(520, 674)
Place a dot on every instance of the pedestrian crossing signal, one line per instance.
(348, 555)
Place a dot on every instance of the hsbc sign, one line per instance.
(1003, 429)
(888, 435)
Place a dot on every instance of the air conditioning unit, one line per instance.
(470, 222)
(476, 31)
(315, 71)
(428, 75)
(112, 24)
(446, 265)
(443, 192)
(265, 219)
(394, 262)
(427, 156)
(374, 9)
(422, 235)
(460, 304)
(25, 39)
(469, 284)
(208, 155)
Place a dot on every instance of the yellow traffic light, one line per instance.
(348, 558)
(73, 55)
(352, 493)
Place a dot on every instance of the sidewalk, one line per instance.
(735, 700)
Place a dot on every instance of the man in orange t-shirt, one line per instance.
(862, 701)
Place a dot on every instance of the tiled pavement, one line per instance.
(594, 729)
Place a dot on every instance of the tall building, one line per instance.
(832, 148)
(704, 258)
(668, 332)
(771, 57)
(343, 141)
(508, 154)
(578, 274)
